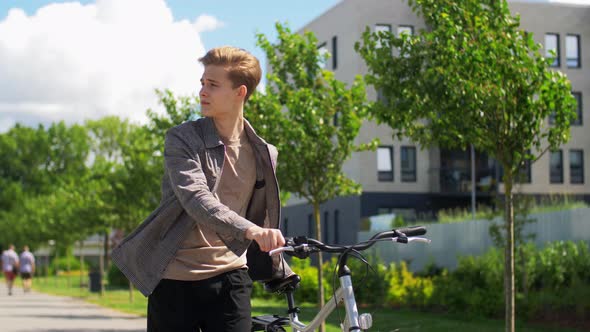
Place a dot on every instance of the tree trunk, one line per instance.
(509, 253)
(106, 251)
(101, 269)
(81, 264)
(56, 272)
(68, 267)
(318, 227)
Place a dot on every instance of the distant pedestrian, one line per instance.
(10, 266)
(27, 268)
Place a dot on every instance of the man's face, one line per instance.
(219, 99)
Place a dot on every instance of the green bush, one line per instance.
(61, 264)
(406, 289)
(370, 284)
(308, 288)
(555, 278)
(116, 278)
(551, 281)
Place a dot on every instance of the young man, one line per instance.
(10, 266)
(219, 213)
(27, 268)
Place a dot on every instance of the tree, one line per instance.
(137, 178)
(473, 77)
(312, 118)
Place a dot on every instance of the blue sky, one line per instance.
(242, 19)
(73, 60)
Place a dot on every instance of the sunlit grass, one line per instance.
(385, 319)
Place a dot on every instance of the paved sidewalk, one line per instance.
(35, 312)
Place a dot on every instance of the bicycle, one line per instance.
(302, 247)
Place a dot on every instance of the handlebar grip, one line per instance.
(412, 231)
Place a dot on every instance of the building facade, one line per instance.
(405, 179)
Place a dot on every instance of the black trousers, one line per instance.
(218, 304)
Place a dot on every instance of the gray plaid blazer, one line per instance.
(194, 155)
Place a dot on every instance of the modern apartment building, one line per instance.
(403, 178)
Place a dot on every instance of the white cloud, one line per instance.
(71, 61)
(207, 23)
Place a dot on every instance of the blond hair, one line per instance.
(243, 68)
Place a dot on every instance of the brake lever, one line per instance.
(410, 239)
(280, 250)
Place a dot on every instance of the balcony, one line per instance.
(455, 172)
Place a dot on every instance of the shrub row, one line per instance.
(555, 278)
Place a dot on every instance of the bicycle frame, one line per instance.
(345, 293)
(353, 322)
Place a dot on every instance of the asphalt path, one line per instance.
(35, 312)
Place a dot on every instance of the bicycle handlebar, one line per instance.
(302, 246)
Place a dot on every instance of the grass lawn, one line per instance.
(383, 319)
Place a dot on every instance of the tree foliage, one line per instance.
(312, 118)
(67, 182)
(472, 77)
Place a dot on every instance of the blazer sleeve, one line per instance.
(190, 187)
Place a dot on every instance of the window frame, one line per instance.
(557, 60)
(405, 26)
(551, 171)
(581, 151)
(323, 63)
(388, 26)
(579, 51)
(386, 176)
(334, 52)
(412, 172)
(580, 120)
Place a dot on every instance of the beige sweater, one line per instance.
(202, 254)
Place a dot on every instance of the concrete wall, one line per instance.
(450, 241)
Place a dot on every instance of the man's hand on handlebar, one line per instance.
(267, 238)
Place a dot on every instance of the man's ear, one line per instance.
(242, 91)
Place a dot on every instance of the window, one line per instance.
(334, 52)
(385, 163)
(408, 159)
(572, 51)
(577, 166)
(285, 226)
(524, 175)
(382, 98)
(335, 119)
(552, 45)
(404, 30)
(322, 50)
(382, 28)
(326, 235)
(336, 216)
(310, 228)
(579, 120)
(556, 167)
(407, 29)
